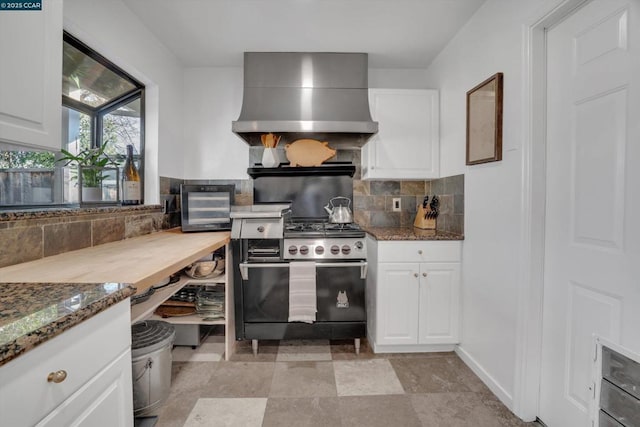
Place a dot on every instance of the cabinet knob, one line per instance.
(57, 376)
(424, 274)
(415, 274)
(419, 251)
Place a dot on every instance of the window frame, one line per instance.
(97, 113)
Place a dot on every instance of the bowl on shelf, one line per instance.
(205, 269)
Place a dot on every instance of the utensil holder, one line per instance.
(270, 158)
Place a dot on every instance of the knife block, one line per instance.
(422, 222)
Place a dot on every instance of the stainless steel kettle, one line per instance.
(339, 214)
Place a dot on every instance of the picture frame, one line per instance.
(484, 121)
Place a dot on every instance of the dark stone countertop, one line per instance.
(410, 233)
(32, 313)
(55, 212)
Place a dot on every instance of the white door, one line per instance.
(592, 233)
(439, 302)
(397, 306)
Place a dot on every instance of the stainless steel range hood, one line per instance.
(306, 95)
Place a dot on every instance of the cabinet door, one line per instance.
(439, 301)
(31, 76)
(407, 143)
(105, 401)
(397, 303)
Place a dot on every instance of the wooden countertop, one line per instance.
(140, 261)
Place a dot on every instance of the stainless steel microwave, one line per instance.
(206, 207)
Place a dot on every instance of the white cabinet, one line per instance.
(97, 392)
(413, 293)
(407, 145)
(31, 76)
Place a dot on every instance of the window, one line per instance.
(102, 106)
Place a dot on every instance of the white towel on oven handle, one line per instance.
(302, 292)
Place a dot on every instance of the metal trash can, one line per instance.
(151, 344)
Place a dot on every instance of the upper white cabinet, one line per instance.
(31, 76)
(407, 145)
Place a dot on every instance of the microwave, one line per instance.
(206, 207)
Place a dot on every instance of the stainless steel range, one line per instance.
(272, 243)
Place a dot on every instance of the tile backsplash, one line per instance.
(33, 234)
(372, 200)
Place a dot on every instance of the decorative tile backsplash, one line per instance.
(372, 200)
(31, 235)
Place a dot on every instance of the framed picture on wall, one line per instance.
(484, 121)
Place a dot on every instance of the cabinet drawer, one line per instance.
(82, 351)
(422, 251)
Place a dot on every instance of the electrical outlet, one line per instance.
(397, 204)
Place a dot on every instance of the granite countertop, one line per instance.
(55, 212)
(32, 313)
(410, 233)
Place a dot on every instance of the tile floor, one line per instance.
(322, 383)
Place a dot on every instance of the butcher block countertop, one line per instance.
(140, 261)
(32, 313)
(43, 298)
(410, 233)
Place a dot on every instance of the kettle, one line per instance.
(339, 214)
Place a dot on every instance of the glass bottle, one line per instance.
(130, 180)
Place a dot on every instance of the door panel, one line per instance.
(266, 294)
(592, 236)
(397, 311)
(340, 282)
(439, 303)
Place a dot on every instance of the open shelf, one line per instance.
(145, 310)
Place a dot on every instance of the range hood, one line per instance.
(306, 95)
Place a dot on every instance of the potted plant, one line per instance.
(93, 168)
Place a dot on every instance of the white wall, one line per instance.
(213, 98)
(113, 30)
(491, 42)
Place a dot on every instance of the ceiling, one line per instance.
(215, 33)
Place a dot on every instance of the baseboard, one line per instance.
(411, 348)
(487, 379)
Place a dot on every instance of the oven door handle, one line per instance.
(244, 267)
(361, 264)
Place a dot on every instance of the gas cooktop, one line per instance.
(321, 229)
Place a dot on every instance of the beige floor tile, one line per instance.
(303, 350)
(247, 412)
(467, 409)
(176, 409)
(267, 351)
(302, 412)
(240, 379)
(433, 375)
(191, 376)
(345, 350)
(206, 352)
(378, 411)
(365, 377)
(303, 379)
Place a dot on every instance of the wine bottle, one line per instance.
(130, 180)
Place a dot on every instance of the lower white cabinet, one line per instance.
(95, 358)
(413, 305)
